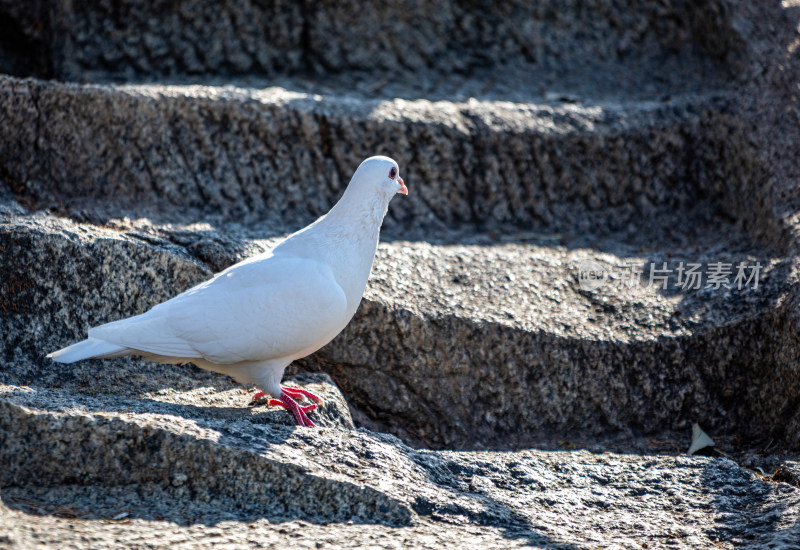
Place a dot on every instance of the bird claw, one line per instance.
(286, 401)
(299, 412)
(298, 393)
(279, 403)
(258, 397)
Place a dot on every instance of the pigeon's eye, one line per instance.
(392, 172)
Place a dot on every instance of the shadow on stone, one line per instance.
(476, 500)
(184, 461)
(750, 512)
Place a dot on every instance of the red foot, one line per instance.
(287, 401)
(279, 403)
(291, 405)
(258, 396)
(297, 393)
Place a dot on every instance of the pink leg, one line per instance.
(291, 405)
(287, 401)
(297, 393)
(279, 403)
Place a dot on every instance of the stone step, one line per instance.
(464, 346)
(150, 443)
(581, 45)
(134, 191)
(116, 473)
(484, 346)
(144, 146)
(277, 157)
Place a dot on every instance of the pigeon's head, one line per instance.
(381, 174)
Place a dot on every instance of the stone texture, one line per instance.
(444, 327)
(239, 483)
(573, 45)
(276, 156)
(175, 138)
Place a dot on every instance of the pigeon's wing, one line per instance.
(270, 308)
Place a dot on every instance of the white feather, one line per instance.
(254, 318)
(92, 347)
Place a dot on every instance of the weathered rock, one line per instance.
(232, 481)
(534, 138)
(650, 45)
(445, 327)
(649, 181)
(278, 157)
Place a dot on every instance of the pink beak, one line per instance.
(403, 188)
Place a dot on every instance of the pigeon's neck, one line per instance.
(346, 239)
(359, 211)
(354, 224)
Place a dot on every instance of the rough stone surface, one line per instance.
(236, 482)
(144, 147)
(282, 158)
(445, 326)
(662, 44)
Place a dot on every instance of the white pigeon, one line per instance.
(253, 319)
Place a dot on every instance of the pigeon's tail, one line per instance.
(88, 349)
